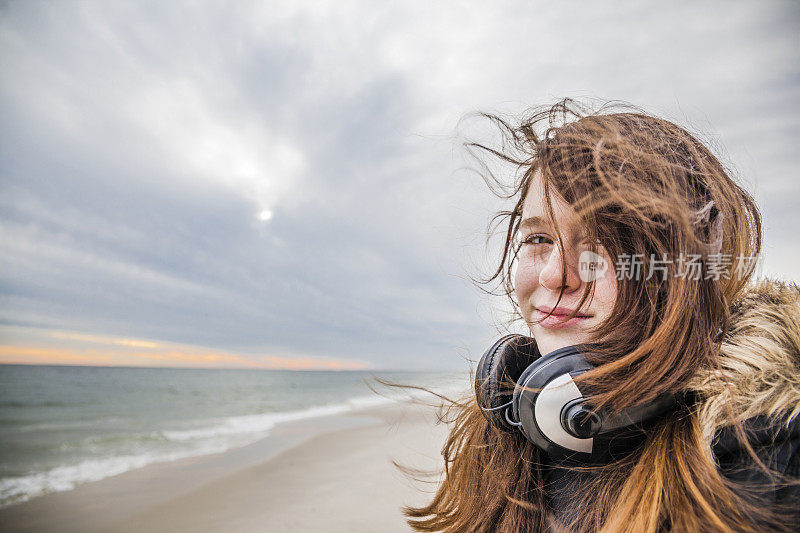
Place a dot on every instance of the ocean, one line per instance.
(61, 426)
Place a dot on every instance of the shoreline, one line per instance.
(305, 475)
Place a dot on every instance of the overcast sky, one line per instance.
(280, 184)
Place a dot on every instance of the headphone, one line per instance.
(546, 404)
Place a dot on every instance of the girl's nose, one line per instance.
(552, 276)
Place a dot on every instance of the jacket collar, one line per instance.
(759, 364)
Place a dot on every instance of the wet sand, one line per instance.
(329, 474)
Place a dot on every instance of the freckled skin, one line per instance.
(538, 275)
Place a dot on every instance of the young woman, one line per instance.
(629, 255)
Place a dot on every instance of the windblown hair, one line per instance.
(644, 188)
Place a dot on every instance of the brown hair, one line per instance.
(644, 187)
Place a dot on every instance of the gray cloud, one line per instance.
(141, 141)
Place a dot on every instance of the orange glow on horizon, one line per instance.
(99, 339)
(46, 356)
(119, 351)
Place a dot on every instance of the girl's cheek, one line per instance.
(525, 281)
(607, 284)
(605, 295)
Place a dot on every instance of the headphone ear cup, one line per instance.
(542, 391)
(497, 373)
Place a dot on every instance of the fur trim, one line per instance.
(759, 364)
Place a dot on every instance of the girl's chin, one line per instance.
(549, 339)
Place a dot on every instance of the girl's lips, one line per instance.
(557, 321)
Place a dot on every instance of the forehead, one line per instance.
(534, 208)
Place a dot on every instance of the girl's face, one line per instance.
(538, 276)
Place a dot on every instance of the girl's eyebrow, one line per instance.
(538, 220)
(533, 221)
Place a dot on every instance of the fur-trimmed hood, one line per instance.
(759, 371)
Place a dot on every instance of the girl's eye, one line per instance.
(536, 239)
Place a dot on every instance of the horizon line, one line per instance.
(244, 368)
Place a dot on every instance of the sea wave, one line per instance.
(208, 437)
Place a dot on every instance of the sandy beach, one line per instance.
(332, 473)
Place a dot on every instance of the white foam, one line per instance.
(19, 489)
(217, 436)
